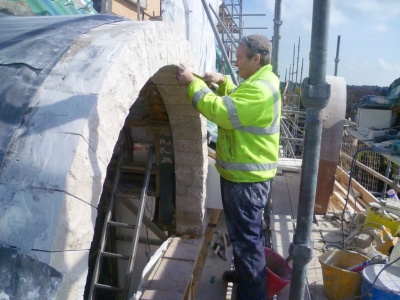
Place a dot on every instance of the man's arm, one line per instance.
(217, 78)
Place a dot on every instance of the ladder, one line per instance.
(108, 223)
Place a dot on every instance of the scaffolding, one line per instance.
(292, 125)
(231, 27)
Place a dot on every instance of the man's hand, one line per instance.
(184, 76)
(217, 78)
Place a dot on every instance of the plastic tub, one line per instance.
(278, 274)
(385, 287)
(375, 220)
(340, 284)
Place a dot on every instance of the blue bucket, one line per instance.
(385, 287)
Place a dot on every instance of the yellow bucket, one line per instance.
(340, 284)
(375, 219)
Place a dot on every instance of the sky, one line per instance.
(369, 33)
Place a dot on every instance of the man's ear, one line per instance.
(257, 58)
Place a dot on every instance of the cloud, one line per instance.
(368, 30)
(297, 9)
(337, 17)
(380, 27)
(369, 10)
(270, 4)
(389, 67)
(306, 24)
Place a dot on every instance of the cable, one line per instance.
(348, 188)
(43, 250)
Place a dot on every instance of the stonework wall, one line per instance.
(52, 177)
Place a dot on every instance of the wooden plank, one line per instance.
(338, 196)
(173, 273)
(289, 164)
(356, 206)
(126, 200)
(200, 261)
(336, 202)
(362, 203)
(184, 249)
(343, 177)
(354, 194)
(211, 285)
(160, 295)
(212, 153)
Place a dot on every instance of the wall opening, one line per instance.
(147, 126)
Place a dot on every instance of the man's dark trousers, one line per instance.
(243, 205)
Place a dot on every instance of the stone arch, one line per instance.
(189, 133)
(53, 173)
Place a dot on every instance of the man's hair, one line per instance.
(258, 44)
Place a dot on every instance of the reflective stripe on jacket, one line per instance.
(248, 119)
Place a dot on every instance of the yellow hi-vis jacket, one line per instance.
(248, 119)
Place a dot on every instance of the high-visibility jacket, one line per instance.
(248, 119)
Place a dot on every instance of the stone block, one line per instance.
(166, 76)
(173, 93)
(183, 179)
(199, 175)
(196, 195)
(181, 189)
(182, 168)
(189, 204)
(187, 111)
(189, 223)
(190, 158)
(187, 145)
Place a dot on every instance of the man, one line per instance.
(248, 118)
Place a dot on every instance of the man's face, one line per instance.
(246, 67)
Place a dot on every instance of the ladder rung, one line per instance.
(108, 287)
(139, 168)
(119, 224)
(114, 255)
